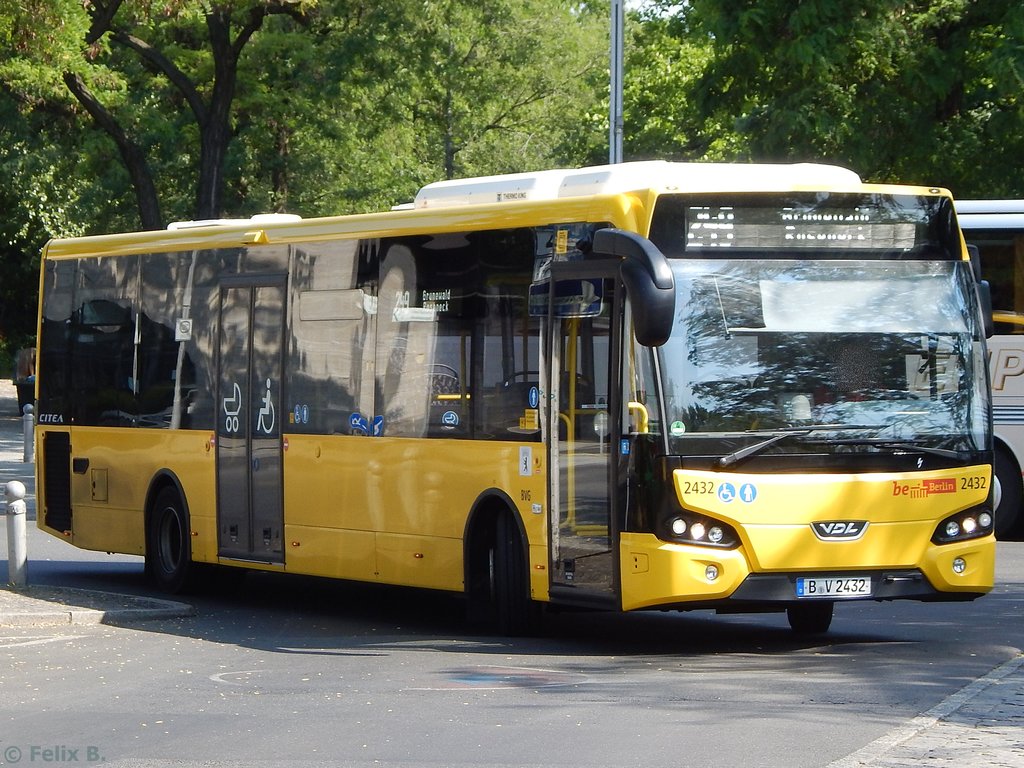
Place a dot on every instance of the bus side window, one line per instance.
(102, 342)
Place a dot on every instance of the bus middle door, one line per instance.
(250, 503)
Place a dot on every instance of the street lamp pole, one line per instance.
(618, 22)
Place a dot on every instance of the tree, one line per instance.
(318, 106)
(496, 86)
(40, 196)
(114, 56)
(660, 123)
(912, 90)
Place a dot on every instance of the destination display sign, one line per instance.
(762, 227)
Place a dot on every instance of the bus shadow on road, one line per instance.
(301, 614)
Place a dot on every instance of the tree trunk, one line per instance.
(215, 129)
(131, 154)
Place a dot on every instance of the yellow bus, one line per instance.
(640, 386)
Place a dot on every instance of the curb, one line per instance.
(62, 606)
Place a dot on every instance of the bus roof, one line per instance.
(989, 206)
(990, 214)
(659, 175)
(599, 193)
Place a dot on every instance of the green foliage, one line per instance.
(494, 86)
(339, 106)
(921, 91)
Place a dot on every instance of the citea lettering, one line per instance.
(51, 418)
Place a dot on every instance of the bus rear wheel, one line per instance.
(169, 545)
(810, 618)
(1008, 511)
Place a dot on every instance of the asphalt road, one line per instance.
(279, 670)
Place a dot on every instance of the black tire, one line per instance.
(1008, 512)
(515, 612)
(169, 545)
(810, 618)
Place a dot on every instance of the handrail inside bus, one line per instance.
(1006, 316)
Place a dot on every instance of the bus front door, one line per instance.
(581, 369)
(250, 504)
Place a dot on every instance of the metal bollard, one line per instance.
(17, 548)
(28, 421)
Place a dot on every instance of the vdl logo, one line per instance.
(839, 530)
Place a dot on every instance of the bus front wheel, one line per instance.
(516, 612)
(810, 618)
(169, 545)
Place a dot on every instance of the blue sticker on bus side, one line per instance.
(359, 424)
(726, 492)
(748, 492)
(450, 419)
(624, 447)
(378, 426)
(534, 397)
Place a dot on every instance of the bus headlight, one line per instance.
(969, 524)
(686, 527)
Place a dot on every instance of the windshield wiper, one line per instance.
(777, 435)
(781, 434)
(888, 442)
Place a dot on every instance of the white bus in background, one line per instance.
(996, 227)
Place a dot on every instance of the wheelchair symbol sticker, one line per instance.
(726, 492)
(266, 418)
(358, 424)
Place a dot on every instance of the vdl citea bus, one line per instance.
(641, 386)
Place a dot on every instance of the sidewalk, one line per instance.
(42, 606)
(980, 726)
(39, 606)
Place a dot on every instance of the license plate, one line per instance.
(834, 586)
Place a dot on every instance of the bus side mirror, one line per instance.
(974, 254)
(648, 279)
(984, 291)
(985, 305)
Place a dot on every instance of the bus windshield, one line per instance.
(829, 357)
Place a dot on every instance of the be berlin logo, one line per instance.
(61, 753)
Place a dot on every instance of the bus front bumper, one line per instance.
(656, 574)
